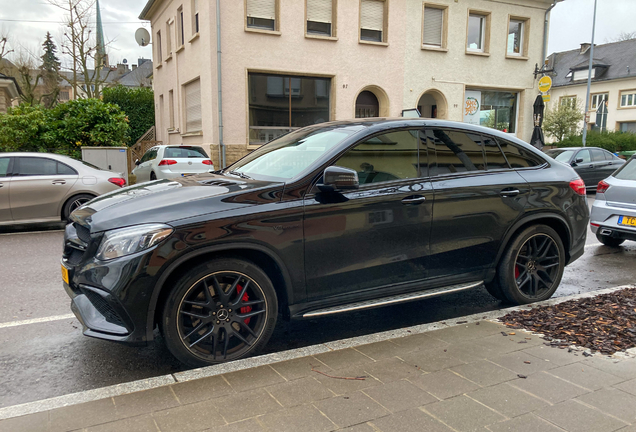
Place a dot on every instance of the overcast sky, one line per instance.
(571, 24)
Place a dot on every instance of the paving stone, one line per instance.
(614, 402)
(201, 389)
(484, 373)
(507, 400)
(249, 425)
(624, 368)
(392, 369)
(549, 388)
(515, 362)
(422, 341)
(299, 392)
(244, 405)
(143, 423)
(83, 415)
(511, 343)
(304, 418)
(463, 414)
(351, 409)
(560, 357)
(399, 396)
(252, 378)
(628, 386)
(343, 358)
(143, 402)
(299, 368)
(187, 418)
(413, 420)
(585, 376)
(470, 331)
(343, 386)
(576, 417)
(469, 352)
(444, 384)
(379, 350)
(30, 423)
(431, 361)
(525, 423)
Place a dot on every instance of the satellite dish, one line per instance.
(142, 37)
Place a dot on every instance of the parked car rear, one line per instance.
(169, 161)
(592, 164)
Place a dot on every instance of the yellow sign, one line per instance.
(545, 84)
(546, 98)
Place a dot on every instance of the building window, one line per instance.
(597, 99)
(180, 33)
(477, 39)
(64, 96)
(193, 118)
(582, 74)
(628, 99)
(567, 100)
(281, 103)
(627, 127)
(372, 20)
(517, 37)
(168, 39)
(434, 27)
(367, 105)
(320, 17)
(171, 109)
(161, 107)
(195, 17)
(493, 109)
(159, 53)
(261, 14)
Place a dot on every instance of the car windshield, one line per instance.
(290, 154)
(185, 152)
(560, 155)
(627, 171)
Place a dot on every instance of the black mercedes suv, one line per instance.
(327, 219)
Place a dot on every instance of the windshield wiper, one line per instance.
(240, 174)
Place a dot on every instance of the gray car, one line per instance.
(41, 187)
(592, 164)
(613, 217)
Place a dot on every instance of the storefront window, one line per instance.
(493, 109)
(281, 103)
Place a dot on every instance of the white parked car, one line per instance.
(172, 161)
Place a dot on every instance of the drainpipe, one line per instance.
(219, 82)
(545, 28)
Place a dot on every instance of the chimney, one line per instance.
(122, 68)
(134, 66)
(584, 48)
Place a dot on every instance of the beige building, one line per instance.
(9, 92)
(286, 64)
(612, 104)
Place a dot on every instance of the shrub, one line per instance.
(611, 141)
(138, 105)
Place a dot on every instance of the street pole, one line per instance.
(589, 78)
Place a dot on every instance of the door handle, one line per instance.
(58, 182)
(591, 166)
(413, 200)
(509, 192)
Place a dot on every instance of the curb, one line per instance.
(268, 359)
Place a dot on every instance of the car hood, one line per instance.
(164, 201)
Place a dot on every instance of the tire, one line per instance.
(153, 176)
(609, 241)
(219, 311)
(73, 203)
(532, 266)
(494, 290)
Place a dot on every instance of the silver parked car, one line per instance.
(172, 161)
(40, 187)
(613, 217)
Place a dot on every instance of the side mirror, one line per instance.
(579, 160)
(337, 178)
(137, 162)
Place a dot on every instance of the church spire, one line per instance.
(101, 58)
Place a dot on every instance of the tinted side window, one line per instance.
(65, 169)
(383, 158)
(456, 151)
(149, 155)
(494, 157)
(33, 166)
(4, 166)
(517, 156)
(598, 155)
(585, 155)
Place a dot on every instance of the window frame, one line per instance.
(444, 35)
(186, 131)
(159, 49)
(171, 117)
(169, 39)
(485, 37)
(525, 37)
(541, 163)
(564, 98)
(334, 27)
(256, 29)
(429, 132)
(180, 21)
(595, 95)
(195, 19)
(16, 167)
(626, 93)
(385, 25)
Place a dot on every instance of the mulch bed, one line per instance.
(605, 323)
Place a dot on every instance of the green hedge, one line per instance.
(612, 141)
(139, 106)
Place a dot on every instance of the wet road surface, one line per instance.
(53, 358)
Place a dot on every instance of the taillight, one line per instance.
(602, 187)
(117, 181)
(167, 162)
(207, 162)
(578, 186)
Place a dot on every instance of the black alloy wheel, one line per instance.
(228, 312)
(532, 266)
(74, 203)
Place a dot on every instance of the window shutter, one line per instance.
(319, 10)
(265, 9)
(433, 22)
(193, 106)
(372, 15)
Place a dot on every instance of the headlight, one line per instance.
(126, 241)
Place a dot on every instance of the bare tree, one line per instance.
(5, 49)
(80, 44)
(28, 76)
(622, 36)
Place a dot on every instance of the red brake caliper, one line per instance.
(245, 309)
(516, 272)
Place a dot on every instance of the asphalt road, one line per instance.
(52, 358)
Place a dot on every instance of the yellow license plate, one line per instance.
(64, 274)
(627, 220)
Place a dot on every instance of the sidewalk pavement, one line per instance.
(471, 377)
